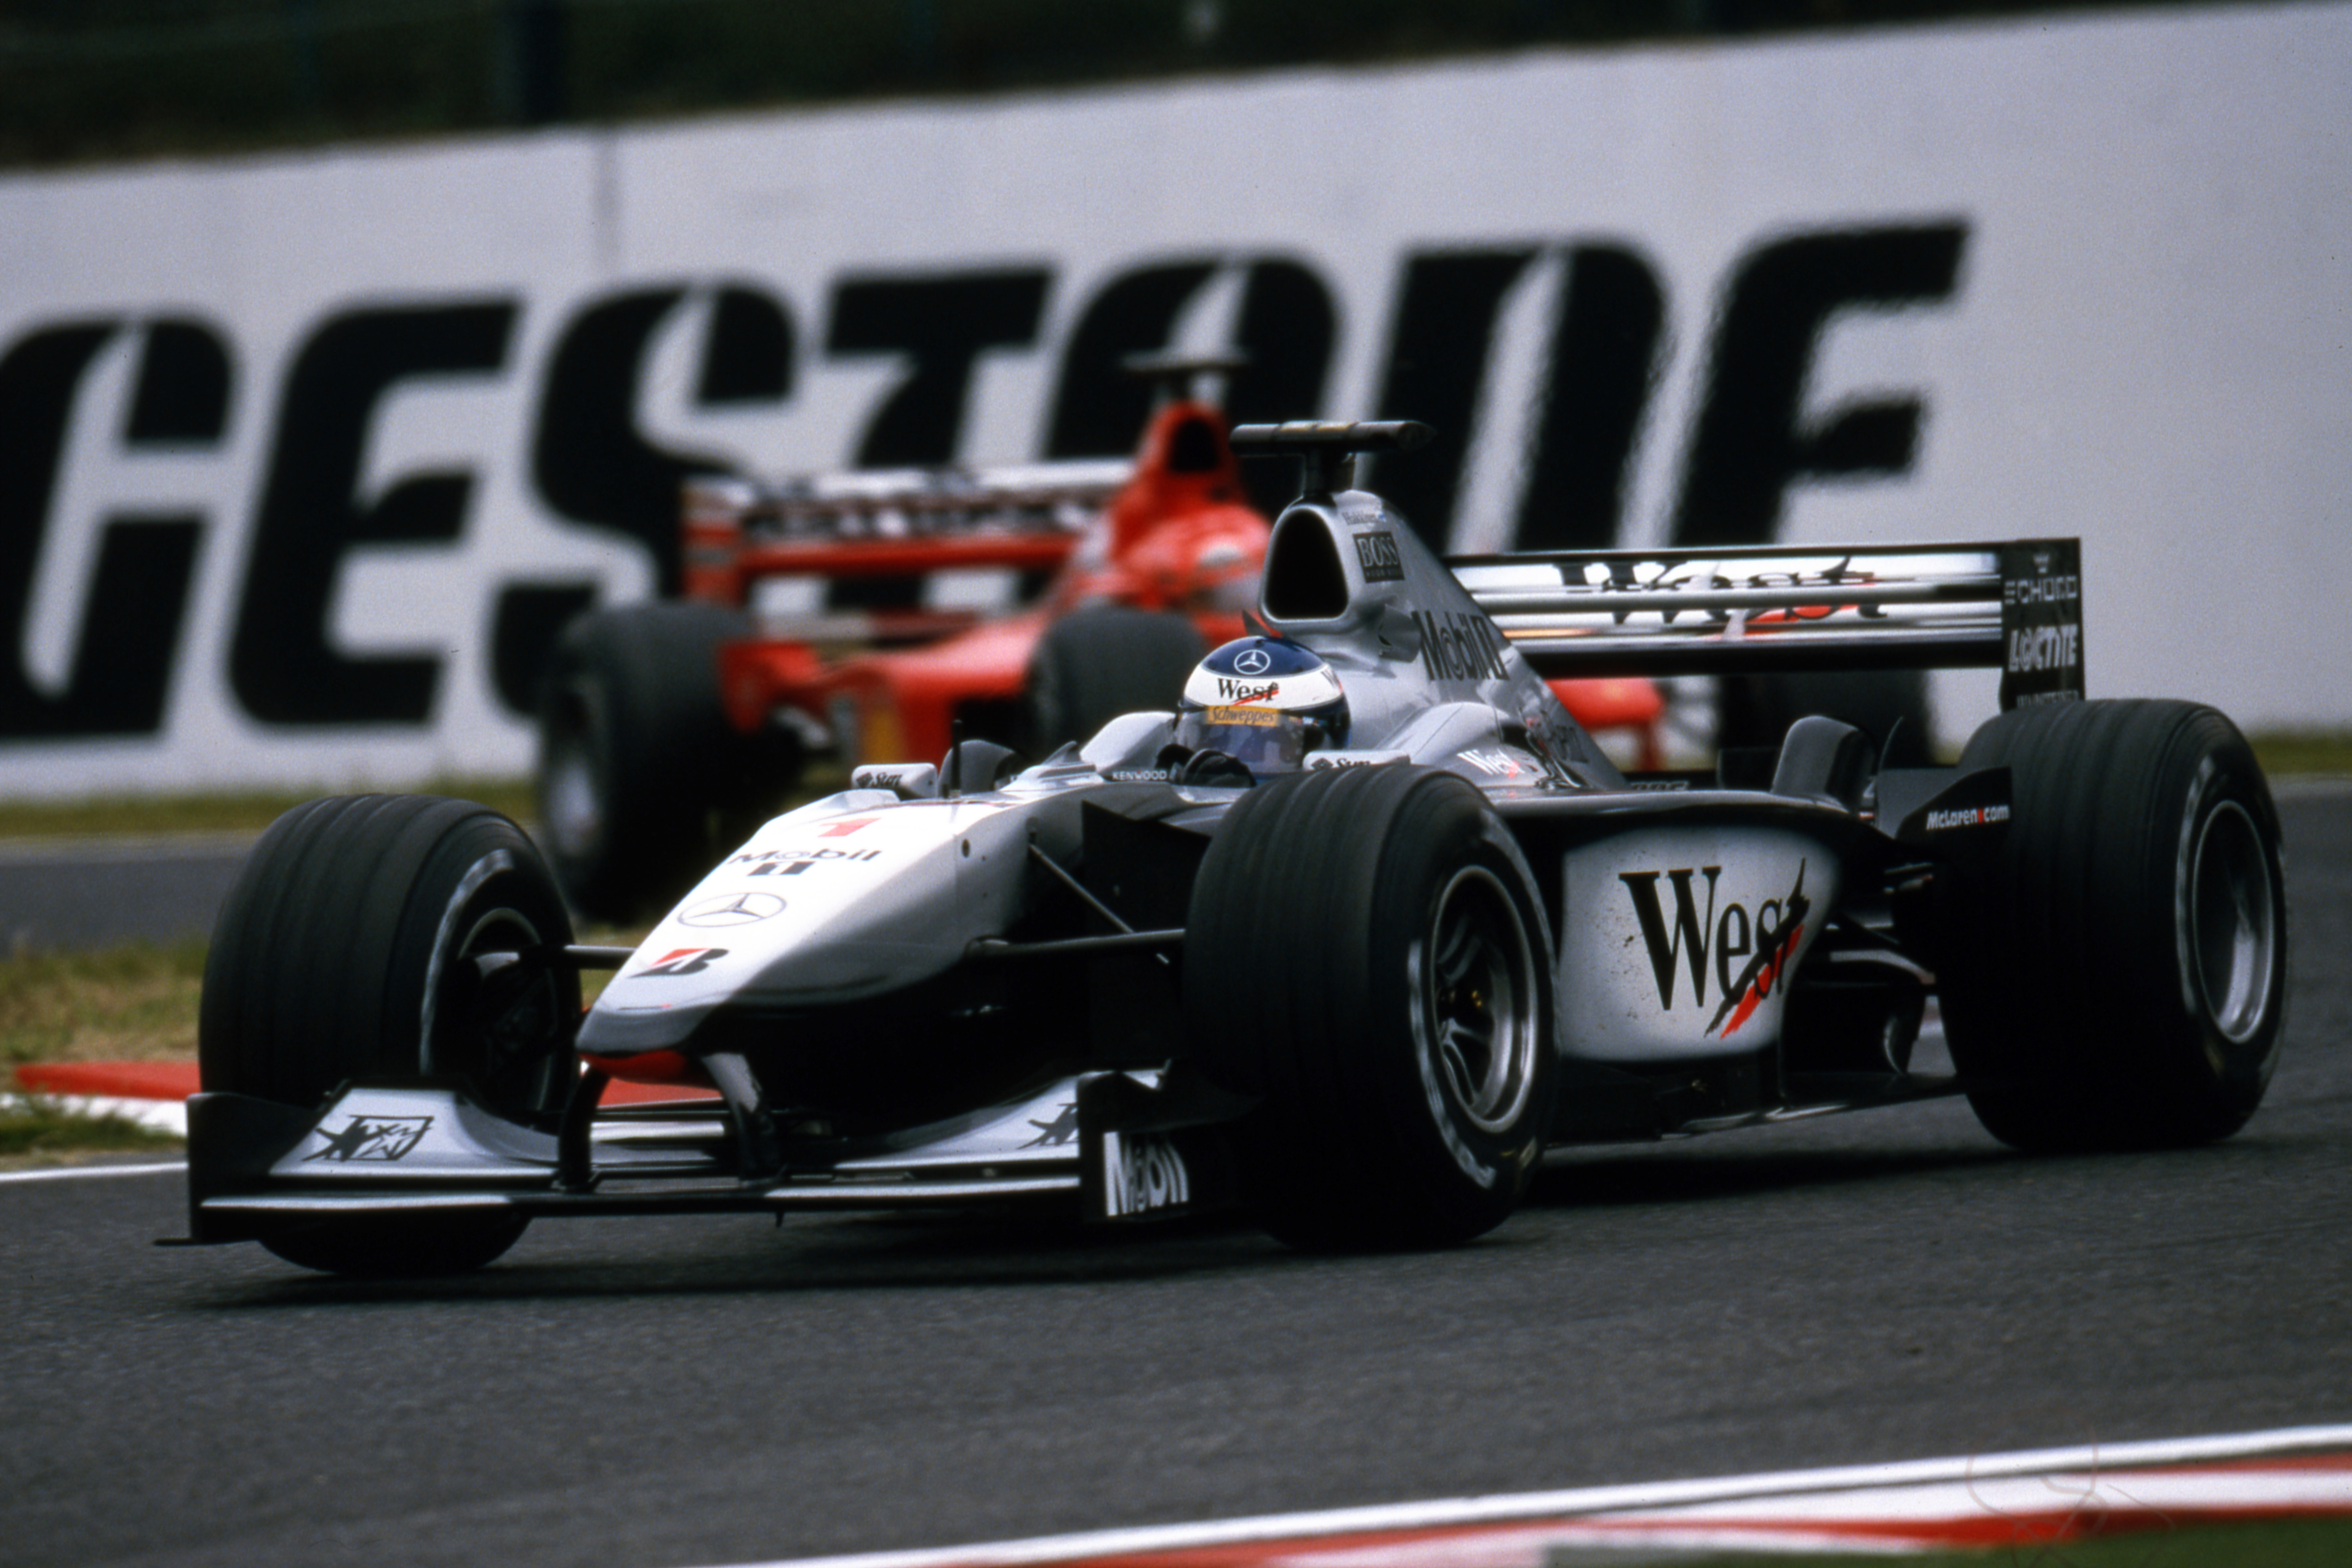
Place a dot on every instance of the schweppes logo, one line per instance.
(1760, 941)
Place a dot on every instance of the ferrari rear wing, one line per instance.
(2015, 606)
(888, 522)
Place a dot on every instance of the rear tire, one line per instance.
(638, 767)
(342, 952)
(2116, 975)
(1365, 953)
(1098, 662)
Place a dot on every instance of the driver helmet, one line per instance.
(1266, 701)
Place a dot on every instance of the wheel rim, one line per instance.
(1478, 994)
(2234, 936)
(500, 1030)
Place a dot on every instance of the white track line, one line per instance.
(1449, 1512)
(67, 1173)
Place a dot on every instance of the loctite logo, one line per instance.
(2046, 648)
(1759, 941)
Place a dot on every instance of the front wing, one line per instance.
(1108, 1146)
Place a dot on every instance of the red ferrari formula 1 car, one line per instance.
(823, 615)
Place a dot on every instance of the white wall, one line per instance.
(2142, 339)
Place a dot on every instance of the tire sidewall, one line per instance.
(1416, 871)
(484, 889)
(2236, 1071)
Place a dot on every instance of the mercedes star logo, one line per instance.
(732, 910)
(1252, 661)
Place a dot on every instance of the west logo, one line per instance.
(1239, 691)
(1760, 941)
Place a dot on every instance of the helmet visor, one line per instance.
(1264, 739)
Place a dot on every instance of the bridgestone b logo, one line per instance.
(1455, 646)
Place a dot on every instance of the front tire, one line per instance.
(1365, 953)
(2116, 975)
(345, 951)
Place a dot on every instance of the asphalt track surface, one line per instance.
(72, 894)
(1884, 1286)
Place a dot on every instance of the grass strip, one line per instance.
(36, 1130)
(133, 1003)
(246, 812)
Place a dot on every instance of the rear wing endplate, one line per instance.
(2015, 606)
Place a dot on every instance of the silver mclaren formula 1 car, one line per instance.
(1349, 939)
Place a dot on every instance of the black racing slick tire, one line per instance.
(1365, 955)
(2114, 976)
(1098, 662)
(639, 773)
(345, 951)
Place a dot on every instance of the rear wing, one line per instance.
(888, 522)
(2015, 606)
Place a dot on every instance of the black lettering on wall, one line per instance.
(941, 324)
(1099, 409)
(588, 459)
(1750, 447)
(1438, 354)
(1287, 326)
(1604, 365)
(183, 392)
(121, 669)
(281, 665)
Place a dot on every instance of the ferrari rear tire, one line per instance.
(1366, 956)
(636, 759)
(345, 950)
(1098, 662)
(2114, 976)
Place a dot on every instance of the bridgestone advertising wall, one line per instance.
(303, 460)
